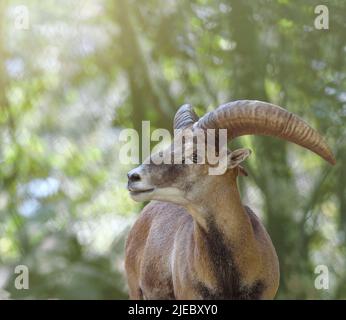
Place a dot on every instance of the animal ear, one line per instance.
(236, 157)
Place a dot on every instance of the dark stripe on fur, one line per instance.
(226, 272)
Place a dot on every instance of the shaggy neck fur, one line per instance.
(226, 254)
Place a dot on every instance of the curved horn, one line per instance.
(245, 117)
(184, 117)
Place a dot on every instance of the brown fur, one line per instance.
(201, 251)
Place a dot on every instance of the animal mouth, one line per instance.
(135, 192)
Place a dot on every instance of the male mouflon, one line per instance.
(195, 239)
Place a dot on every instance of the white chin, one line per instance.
(163, 194)
(142, 196)
(169, 194)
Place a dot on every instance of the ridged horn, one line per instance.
(184, 117)
(253, 117)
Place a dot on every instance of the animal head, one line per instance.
(181, 172)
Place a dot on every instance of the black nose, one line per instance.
(133, 176)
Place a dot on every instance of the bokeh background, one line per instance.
(82, 70)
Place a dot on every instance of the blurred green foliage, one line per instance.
(84, 69)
